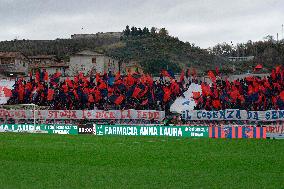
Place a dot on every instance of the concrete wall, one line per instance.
(80, 63)
(21, 65)
(84, 64)
(110, 65)
(242, 76)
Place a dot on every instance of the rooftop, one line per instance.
(43, 57)
(11, 54)
(59, 64)
(89, 53)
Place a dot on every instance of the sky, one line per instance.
(202, 22)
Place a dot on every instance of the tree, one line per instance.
(134, 31)
(153, 30)
(163, 32)
(158, 64)
(223, 49)
(126, 31)
(145, 31)
(139, 32)
(269, 38)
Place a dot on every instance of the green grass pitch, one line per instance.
(64, 161)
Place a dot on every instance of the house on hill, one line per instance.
(90, 62)
(241, 59)
(13, 64)
(49, 63)
(43, 59)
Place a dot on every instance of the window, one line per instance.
(94, 60)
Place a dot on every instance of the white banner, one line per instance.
(187, 102)
(5, 90)
(233, 114)
(83, 114)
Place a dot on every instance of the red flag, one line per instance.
(277, 69)
(117, 76)
(143, 79)
(46, 76)
(102, 85)
(57, 74)
(273, 74)
(91, 98)
(145, 102)
(258, 67)
(205, 89)
(7, 92)
(149, 80)
(267, 84)
(65, 88)
(144, 92)
(136, 91)
(76, 79)
(174, 87)
(29, 86)
(81, 75)
(21, 93)
(119, 100)
(37, 76)
(165, 73)
(282, 96)
(235, 94)
(181, 77)
(98, 96)
(250, 90)
(212, 76)
(98, 77)
(188, 73)
(167, 94)
(217, 71)
(69, 82)
(86, 90)
(76, 94)
(216, 104)
(129, 80)
(195, 95)
(50, 94)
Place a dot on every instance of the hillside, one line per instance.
(155, 50)
(268, 52)
(62, 48)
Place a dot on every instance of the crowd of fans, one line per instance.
(104, 92)
(140, 91)
(250, 93)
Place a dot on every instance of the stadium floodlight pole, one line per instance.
(282, 31)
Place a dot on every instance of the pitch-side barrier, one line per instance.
(197, 131)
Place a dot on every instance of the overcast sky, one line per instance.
(203, 22)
